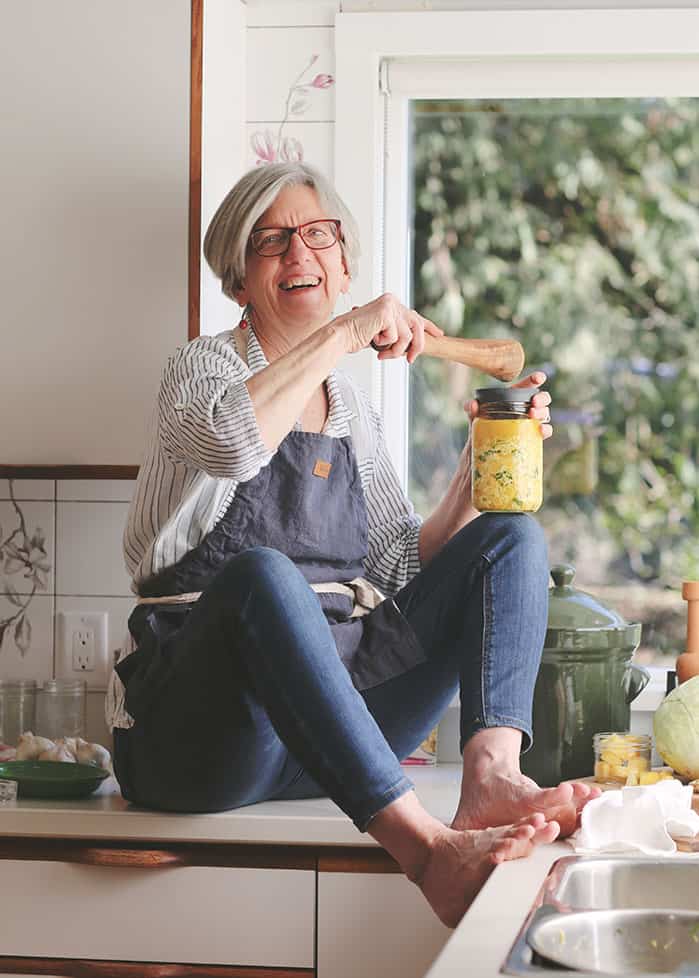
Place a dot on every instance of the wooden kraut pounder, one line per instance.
(502, 359)
(688, 662)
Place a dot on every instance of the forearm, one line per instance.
(281, 391)
(453, 512)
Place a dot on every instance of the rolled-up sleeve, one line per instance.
(205, 414)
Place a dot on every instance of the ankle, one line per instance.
(408, 833)
(493, 749)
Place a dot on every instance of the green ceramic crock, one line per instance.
(586, 682)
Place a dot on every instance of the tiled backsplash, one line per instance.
(61, 551)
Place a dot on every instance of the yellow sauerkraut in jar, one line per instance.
(507, 460)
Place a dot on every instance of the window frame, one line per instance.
(383, 60)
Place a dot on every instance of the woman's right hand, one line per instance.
(393, 328)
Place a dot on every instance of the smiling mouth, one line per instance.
(301, 282)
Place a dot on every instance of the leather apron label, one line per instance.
(322, 469)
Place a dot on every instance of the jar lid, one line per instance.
(578, 621)
(21, 684)
(509, 395)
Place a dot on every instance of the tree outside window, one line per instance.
(573, 225)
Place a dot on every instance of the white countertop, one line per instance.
(313, 821)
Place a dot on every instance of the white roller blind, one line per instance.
(550, 77)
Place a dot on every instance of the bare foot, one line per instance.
(459, 863)
(499, 798)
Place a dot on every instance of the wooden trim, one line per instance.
(89, 968)
(195, 122)
(154, 855)
(351, 859)
(68, 471)
(147, 855)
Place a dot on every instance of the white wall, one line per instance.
(93, 238)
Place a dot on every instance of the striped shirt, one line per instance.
(204, 440)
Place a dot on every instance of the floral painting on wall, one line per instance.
(270, 147)
(21, 554)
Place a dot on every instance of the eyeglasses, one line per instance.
(270, 242)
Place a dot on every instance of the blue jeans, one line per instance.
(280, 718)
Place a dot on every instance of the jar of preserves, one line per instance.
(622, 758)
(506, 452)
(17, 709)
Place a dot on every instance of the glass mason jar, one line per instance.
(17, 709)
(506, 452)
(62, 708)
(621, 758)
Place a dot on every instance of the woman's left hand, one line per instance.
(540, 403)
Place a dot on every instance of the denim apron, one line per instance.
(308, 503)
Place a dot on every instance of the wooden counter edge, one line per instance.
(150, 855)
(93, 968)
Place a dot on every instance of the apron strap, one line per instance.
(365, 597)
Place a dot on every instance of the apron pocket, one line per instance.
(389, 647)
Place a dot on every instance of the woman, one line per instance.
(267, 472)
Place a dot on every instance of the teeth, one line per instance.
(295, 283)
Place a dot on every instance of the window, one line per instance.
(571, 222)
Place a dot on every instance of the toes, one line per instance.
(548, 833)
(536, 820)
(508, 849)
(523, 831)
(561, 795)
(521, 840)
(567, 818)
(582, 793)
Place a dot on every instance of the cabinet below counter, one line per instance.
(288, 889)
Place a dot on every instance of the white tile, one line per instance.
(18, 547)
(314, 141)
(118, 611)
(28, 488)
(36, 662)
(280, 58)
(89, 557)
(291, 13)
(95, 490)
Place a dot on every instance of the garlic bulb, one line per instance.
(86, 753)
(29, 747)
(70, 743)
(69, 749)
(57, 753)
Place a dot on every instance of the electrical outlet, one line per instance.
(81, 647)
(83, 642)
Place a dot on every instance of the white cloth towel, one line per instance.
(638, 819)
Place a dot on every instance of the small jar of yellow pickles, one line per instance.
(506, 452)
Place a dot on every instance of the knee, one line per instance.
(258, 564)
(522, 533)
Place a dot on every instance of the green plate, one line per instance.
(53, 779)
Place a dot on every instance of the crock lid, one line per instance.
(578, 621)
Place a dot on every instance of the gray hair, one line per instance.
(226, 239)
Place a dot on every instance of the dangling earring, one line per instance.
(246, 318)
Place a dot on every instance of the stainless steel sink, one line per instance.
(621, 915)
(630, 884)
